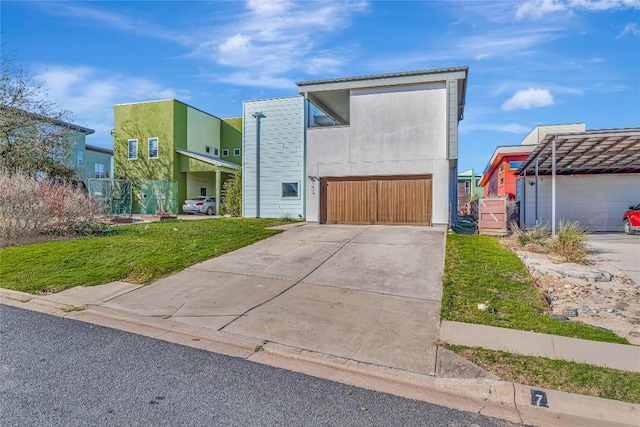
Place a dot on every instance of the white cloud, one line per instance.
(538, 8)
(85, 13)
(528, 99)
(630, 29)
(90, 94)
(275, 38)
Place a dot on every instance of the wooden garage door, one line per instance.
(376, 200)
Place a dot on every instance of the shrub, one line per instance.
(570, 242)
(536, 236)
(233, 196)
(33, 209)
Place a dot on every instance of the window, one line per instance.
(207, 149)
(153, 148)
(514, 165)
(501, 181)
(502, 167)
(203, 191)
(225, 152)
(290, 190)
(80, 159)
(133, 149)
(215, 151)
(467, 187)
(99, 170)
(236, 151)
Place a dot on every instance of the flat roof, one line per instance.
(332, 95)
(98, 149)
(602, 151)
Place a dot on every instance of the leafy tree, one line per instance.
(233, 195)
(35, 135)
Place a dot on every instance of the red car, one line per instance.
(631, 220)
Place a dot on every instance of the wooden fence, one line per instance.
(492, 217)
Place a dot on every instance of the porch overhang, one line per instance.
(191, 161)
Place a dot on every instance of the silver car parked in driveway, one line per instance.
(201, 204)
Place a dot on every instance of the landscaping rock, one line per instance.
(589, 275)
(571, 312)
(560, 317)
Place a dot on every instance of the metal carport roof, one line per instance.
(592, 152)
(606, 151)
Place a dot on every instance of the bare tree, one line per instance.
(35, 135)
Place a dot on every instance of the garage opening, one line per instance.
(376, 200)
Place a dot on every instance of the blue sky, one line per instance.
(530, 62)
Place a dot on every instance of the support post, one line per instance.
(553, 187)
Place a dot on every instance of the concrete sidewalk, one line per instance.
(355, 304)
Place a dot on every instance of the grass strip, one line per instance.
(562, 375)
(479, 270)
(140, 253)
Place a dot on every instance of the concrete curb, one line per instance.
(627, 357)
(494, 398)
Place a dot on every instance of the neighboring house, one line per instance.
(499, 177)
(383, 149)
(468, 189)
(96, 164)
(277, 127)
(592, 179)
(169, 140)
(87, 160)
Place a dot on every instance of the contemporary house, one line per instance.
(590, 177)
(499, 177)
(468, 189)
(383, 149)
(273, 165)
(88, 161)
(97, 163)
(172, 142)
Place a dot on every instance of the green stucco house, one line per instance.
(169, 140)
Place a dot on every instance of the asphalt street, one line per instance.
(61, 372)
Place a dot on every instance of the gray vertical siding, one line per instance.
(282, 137)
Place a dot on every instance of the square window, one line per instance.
(236, 151)
(153, 148)
(290, 190)
(225, 152)
(207, 149)
(99, 170)
(133, 149)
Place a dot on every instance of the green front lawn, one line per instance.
(560, 375)
(479, 270)
(140, 253)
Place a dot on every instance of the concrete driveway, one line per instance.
(620, 250)
(367, 293)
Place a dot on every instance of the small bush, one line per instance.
(570, 242)
(33, 209)
(233, 196)
(538, 235)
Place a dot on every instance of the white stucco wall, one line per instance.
(596, 201)
(393, 131)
